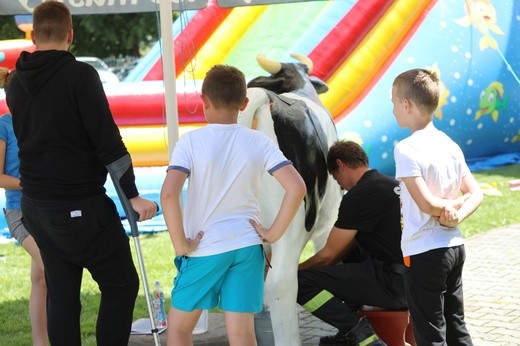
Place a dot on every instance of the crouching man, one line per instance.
(361, 263)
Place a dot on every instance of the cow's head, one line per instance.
(290, 77)
(286, 107)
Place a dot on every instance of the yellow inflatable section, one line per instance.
(360, 68)
(355, 76)
(222, 41)
(148, 145)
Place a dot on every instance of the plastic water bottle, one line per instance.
(158, 306)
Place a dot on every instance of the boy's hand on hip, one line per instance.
(261, 230)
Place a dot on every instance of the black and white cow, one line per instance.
(287, 108)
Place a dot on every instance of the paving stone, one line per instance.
(491, 297)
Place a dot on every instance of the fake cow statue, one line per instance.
(287, 108)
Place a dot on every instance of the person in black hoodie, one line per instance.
(67, 138)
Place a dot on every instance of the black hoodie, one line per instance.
(65, 130)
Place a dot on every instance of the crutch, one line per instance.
(116, 170)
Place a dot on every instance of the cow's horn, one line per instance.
(304, 60)
(271, 66)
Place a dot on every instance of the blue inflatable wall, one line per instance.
(476, 49)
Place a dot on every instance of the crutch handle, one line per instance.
(116, 170)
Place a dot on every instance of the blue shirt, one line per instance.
(11, 164)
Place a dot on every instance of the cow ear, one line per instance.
(319, 85)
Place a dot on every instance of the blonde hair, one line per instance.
(420, 86)
(4, 77)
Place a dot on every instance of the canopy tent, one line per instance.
(165, 7)
(127, 6)
(14, 7)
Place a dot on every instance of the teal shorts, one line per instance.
(233, 281)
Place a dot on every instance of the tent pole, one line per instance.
(168, 63)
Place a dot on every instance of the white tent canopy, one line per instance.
(12, 7)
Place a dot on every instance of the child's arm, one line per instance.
(426, 201)
(6, 181)
(295, 189)
(171, 206)
(470, 187)
(473, 196)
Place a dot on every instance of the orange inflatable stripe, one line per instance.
(223, 39)
(387, 63)
(341, 41)
(192, 37)
(360, 69)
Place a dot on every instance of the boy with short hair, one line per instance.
(433, 172)
(219, 254)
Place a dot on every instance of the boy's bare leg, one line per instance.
(180, 326)
(240, 328)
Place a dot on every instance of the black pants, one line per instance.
(335, 293)
(435, 300)
(73, 235)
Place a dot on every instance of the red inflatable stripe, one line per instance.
(12, 50)
(346, 35)
(144, 109)
(147, 109)
(191, 38)
(388, 61)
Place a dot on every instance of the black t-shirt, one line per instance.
(372, 207)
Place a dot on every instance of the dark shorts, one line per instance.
(15, 225)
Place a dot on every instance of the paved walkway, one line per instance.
(491, 289)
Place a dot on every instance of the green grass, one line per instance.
(495, 211)
(15, 327)
(158, 256)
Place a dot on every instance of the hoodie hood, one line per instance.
(35, 69)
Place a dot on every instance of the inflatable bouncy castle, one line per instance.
(358, 47)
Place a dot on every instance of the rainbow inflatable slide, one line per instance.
(358, 47)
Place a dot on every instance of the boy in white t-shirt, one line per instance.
(217, 243)
(432, 172)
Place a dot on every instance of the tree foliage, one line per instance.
(114, 34)
(107, 35)
(8, 29)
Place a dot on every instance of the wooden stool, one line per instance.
(392, 326)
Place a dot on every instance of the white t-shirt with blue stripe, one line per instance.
(225, 164)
